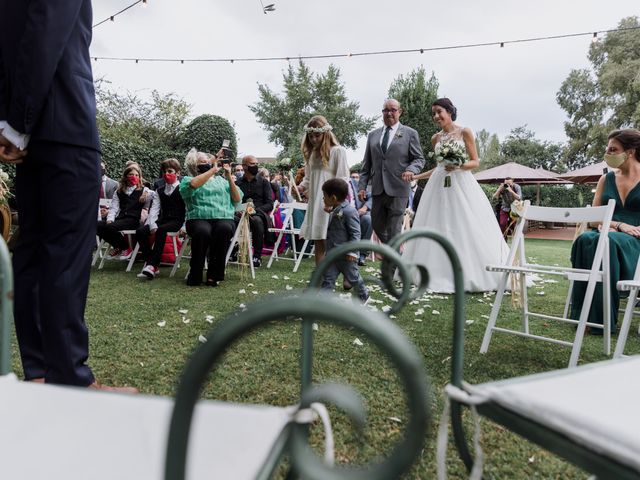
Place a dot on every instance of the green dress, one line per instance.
(623, 253)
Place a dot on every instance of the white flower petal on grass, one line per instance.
(242, 290)
(532, 459)
(285, 278)
(271, 292)
(162, 323)
(392, 316)
(202, 339)
(288, 287)
(242, 305)
(186, 320)
(386, 308)
(417, 320)
(249, 284)
(184, 312)
(485, 316)
(209, 318)
(446, 360)
(314, 327)
(539, 293)
(255, 292)
(435, 312)
(395, 419)
(419, 311)
(142, 364)
(469, 322)
(275, 277)
(358, 342)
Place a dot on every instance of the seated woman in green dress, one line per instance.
(623, 153)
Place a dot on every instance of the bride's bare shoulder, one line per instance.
(435, 137)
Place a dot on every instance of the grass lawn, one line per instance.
(139, 337)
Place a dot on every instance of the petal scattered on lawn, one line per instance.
(275, 277)
(417, 320)
(485, 316)
(419, 311)
(446, 360)
(532, 459)
(392, 316)
(202, 339)
(358, 342)
(209, 318)
(395, 419)
(249, 284)
(288, 287)
(469, 322)
(242, 305)
(184, 312)
(242, 290)
(186, 320)
(314, 327)
(539, 293)
(271, 292)
(255, 292)
(435, 312)
(386, 308)
(285, 278)
(162, 323)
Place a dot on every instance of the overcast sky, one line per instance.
(494, 88)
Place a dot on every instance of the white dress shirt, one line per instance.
(392, 133)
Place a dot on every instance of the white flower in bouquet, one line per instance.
(450, 154)
(4, 176)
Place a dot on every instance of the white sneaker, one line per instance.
(149, 272)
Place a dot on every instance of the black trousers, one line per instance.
(110, 232)
(257, 228)
(214, 235)
(152, 255)
(57, 188)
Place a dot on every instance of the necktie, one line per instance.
(385, 140)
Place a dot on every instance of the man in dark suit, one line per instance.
(48, 115)
(392, 157)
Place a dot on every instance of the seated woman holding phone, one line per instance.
(210, 200)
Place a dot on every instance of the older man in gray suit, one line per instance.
(392, 157)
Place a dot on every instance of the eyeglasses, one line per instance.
(389, 110)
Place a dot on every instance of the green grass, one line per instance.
(128, 347)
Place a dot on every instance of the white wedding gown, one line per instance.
(463, 215)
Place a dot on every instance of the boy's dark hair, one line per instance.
(170, 163)
(336, 187)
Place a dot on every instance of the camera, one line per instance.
(227, 151)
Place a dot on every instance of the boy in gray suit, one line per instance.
(344, 227)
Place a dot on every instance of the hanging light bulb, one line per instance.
(595, 37)
(144, 3)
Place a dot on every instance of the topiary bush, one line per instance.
(206, 134)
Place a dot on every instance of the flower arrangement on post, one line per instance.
(451, 154)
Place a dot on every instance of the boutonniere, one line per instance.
(339, 214)
(398, 135)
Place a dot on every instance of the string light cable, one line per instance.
(111, 18)
(592, 34)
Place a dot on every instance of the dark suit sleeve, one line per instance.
(49, 25)
(365, 170)
(4, 100)
(415, 153)
(267, 195)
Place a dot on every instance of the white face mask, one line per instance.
(615, 160)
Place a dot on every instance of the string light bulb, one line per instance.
(594, 39)
(144, 3)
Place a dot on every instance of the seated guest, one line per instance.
(623, 153)
(258, 190)
(209, 200)
(125, 210)
(238, 171)
(166, 215)
(364, 211)
(108, 186)
(104, 211)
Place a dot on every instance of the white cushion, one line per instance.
(596, 405)
(51, 432)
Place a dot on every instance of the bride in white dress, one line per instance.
(460, 212)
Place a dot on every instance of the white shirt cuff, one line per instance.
(20, 140)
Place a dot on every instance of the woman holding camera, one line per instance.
(210, 203)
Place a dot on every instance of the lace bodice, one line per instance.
(454, 135)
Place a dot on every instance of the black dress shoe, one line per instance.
(257, 262)
(211, 282)
(193, 281)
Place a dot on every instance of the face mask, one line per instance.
(614, 161)
(203, 167)
(253, 170)
(239, 175)
(133, 180)
(170, 178)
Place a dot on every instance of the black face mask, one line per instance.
(253, 170)
(203, 167)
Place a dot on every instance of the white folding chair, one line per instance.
(631, 286)
(181, 255)
(599, 272)
(235, 240)
(289, 229)
(105, 257)
(101, 247)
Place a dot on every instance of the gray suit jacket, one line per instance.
(344, 227)
(110, 187)
(384, 171)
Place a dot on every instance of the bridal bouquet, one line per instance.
(451, 154)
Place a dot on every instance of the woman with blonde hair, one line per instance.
(324, 158)
(125, 210)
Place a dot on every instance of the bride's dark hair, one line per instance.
(448, 106)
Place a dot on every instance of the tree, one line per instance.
(521, 146)
(206, 133)
(416, 94)
(307, 94)
(488, 146)
(602, 98)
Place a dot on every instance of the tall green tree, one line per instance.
(488, 146)
(306, 94)
(603, 97)
(416, 93)
(522, 146)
